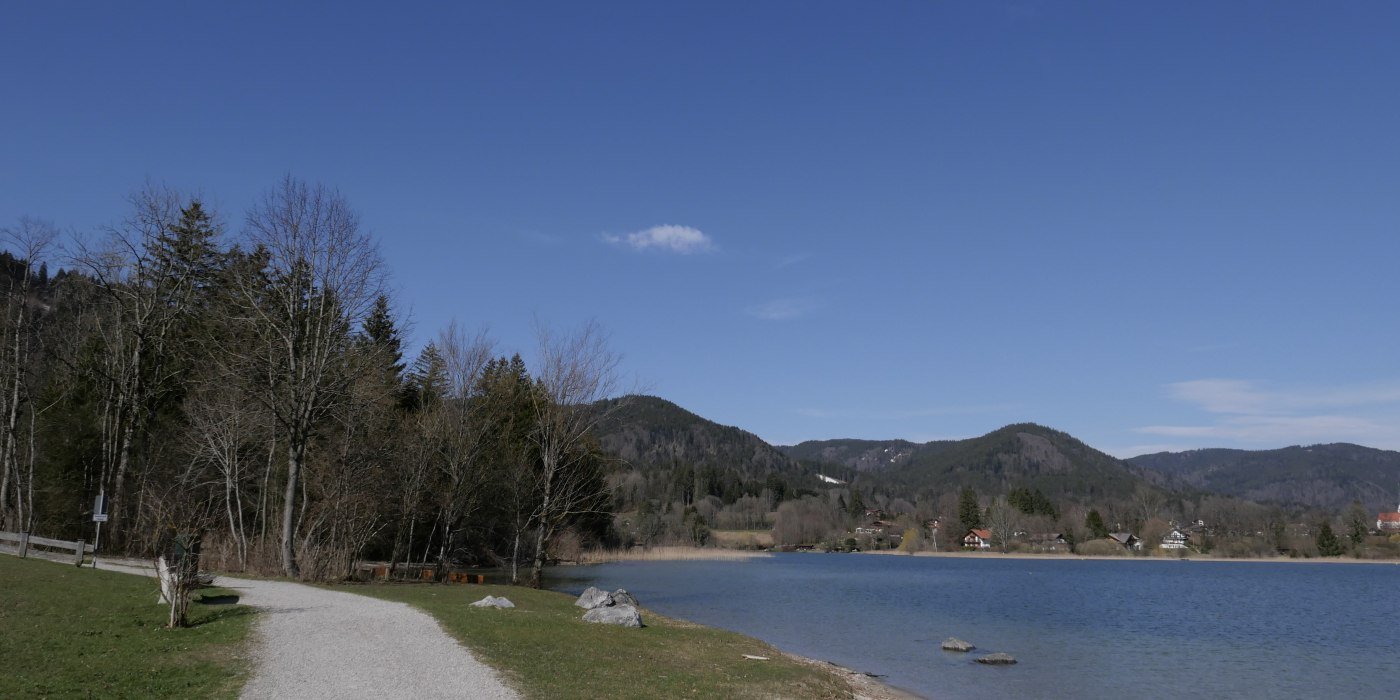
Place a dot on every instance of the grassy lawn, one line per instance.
(548, 651)
(70, 632)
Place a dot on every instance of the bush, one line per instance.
(1101, 548)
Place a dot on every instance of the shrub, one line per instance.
(1101, 548)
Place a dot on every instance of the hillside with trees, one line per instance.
(1016, 456)
(1327, 477)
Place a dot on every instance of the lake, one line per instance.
(1079, 628)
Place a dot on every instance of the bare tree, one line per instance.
(1147, 504)
(32, 240)
(150, 268)
(225, 430)
(457, 434)
(575, 371)
(1003, 520)
(322, 274)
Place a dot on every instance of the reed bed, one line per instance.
(602, 556)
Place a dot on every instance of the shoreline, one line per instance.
(1080, 557)
(863, 685)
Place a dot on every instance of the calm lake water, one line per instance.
(1080, 628)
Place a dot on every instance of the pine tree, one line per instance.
(1327, 543)
(384, 336)
(1094, 523)
(1358, 523)
(969, 513)
(427, 380)
(856, 508)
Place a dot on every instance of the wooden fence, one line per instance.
(24, 541)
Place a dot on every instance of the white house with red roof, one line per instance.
(978, 539)
(1389, 522)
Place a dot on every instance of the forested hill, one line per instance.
(1024, 455)
(1319, 476)
(647, 432)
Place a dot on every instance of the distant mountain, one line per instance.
(1320, 476)
(1017, 456)
(648, 432)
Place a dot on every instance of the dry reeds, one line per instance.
(602, 556)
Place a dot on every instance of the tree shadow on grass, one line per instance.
(225, 613)
(223, 599)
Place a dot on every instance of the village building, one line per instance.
(1389, 522)
(1176, 539)
(978, 539)
(1127, 539)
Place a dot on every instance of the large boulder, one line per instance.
(491, 601)
(955, 644)
(624, 615)
(622, 597)
(594, 598)
(997, 659)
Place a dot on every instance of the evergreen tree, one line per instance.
(427, 380)
(1094, 523)
(1327, 543)
(383, 336)
(856, 508)
(1358, 523)
(969, 512)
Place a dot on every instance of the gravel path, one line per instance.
(314, 643)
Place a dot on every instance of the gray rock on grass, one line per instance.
(624, 615)
(594, 598)
(955, 644)
(622, 597)
(491, 601)
(997, 659)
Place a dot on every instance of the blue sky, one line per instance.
(1153, 226)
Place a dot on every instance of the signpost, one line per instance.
(99, 516)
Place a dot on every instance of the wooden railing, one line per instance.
(24, 541)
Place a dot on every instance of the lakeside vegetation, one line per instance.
(546, 650)
(71, 632)
(247, 382)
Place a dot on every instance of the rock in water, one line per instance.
(622, 597)
(624, 615)
(997, 659)
(491, 601)
(594, 598)
(955, 644)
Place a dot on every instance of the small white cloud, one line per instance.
(782, 309)
(667, 238)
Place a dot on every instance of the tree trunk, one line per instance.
(295, 452)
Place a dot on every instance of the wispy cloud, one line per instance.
(667, 238)
(790, 260)
(782, 309)
(1239, 396)
(1248, 412)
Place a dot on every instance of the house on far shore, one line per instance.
(1127, 539)
(1176, 539)
(874, 528)
(1389, 522)
(978, 539)
(1048, 542)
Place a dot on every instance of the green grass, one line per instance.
(69, 632)
(546, 650)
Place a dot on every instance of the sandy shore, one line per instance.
(1077, 557)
